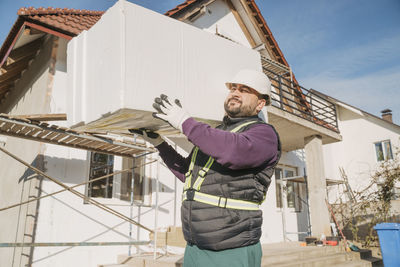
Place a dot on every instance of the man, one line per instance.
(226, 175)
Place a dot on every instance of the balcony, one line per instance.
(297, 112)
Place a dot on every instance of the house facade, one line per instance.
(368, 141)
(95, 63)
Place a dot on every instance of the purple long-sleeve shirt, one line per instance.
(247, 149)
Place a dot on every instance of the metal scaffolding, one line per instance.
(42, 132)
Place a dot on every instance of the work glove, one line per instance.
(173, 113)
(148, 135)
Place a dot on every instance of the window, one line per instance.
(292, 189)
(100, 165)
(118, 186)
(383, 150)
(290, 186)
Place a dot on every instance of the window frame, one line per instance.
(297, 188)
(384, 150)
(120, 195)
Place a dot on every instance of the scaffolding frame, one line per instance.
(38, 131)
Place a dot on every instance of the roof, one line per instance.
(351, 107)
(255, 11)
(179, 7)
(70, 22)
(25, 38)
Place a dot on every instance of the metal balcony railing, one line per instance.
(297, 100)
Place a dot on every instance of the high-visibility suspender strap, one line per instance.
(241, 126)
(202, 174)
(207, 198)
(188, 175)
(206, 168)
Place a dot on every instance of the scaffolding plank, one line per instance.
(6, 126)
(16, 128)
(54, 134)
(43, 134)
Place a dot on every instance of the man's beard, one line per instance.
(238, 111)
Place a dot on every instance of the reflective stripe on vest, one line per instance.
(221, 202)
(192, 193)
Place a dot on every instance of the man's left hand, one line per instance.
(173, 113)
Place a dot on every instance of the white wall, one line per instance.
(356, 153)
(17, 183)
(219, 18)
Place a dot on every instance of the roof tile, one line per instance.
(179, 7)
(71, 21)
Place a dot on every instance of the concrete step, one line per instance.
(277, 255)
(366, 255)
(149, 261)
(375, 262)
(356, 263)
(335, 259)
(280, 255)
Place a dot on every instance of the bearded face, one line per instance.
(242, 101)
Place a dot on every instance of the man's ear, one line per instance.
(260, 104)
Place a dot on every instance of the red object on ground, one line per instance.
(331, 243)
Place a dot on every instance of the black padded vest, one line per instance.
(215, 228)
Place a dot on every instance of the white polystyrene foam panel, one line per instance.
(134, 54)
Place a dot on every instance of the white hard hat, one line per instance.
(253, 79)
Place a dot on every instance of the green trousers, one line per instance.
(249, 256)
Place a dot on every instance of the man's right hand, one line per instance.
(148, 135)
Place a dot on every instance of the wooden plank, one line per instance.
(119, 149)
(87, 143)
(8, 127)
(78, 140)
(15, 65)
(100, 144)
(6, 88)
(66, 139)
(70, 140)
(51, 135)
(124, 150)
(105, 146)
(11, 76)
(16, 128)
(29, 48)
(35, 132)
(26, 130)
(43, 133)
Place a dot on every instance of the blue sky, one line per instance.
(348, 49)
